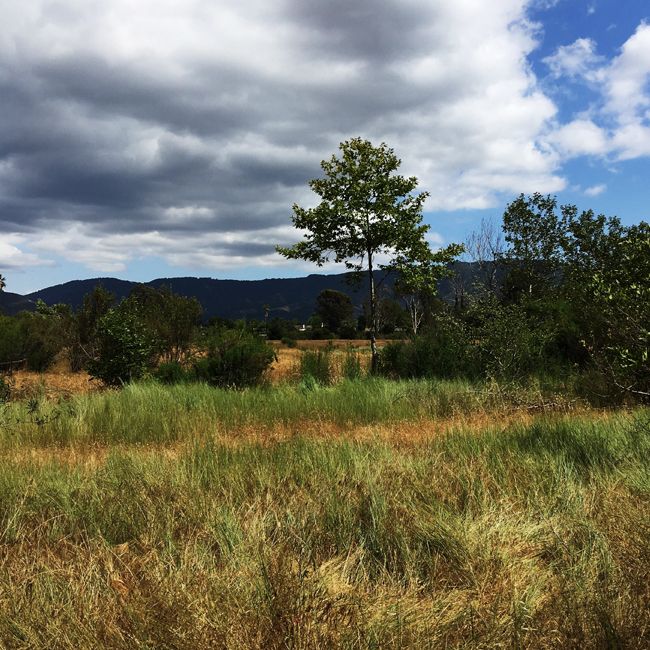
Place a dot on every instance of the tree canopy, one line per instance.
(367, 213)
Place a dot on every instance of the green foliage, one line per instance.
(84, 346)
(316, 366)
(334, 308)
(12, 339)
(46, 333)
(601, 269)
(125, 348)
(613, 294)
(535, 236)
(172, 372)
(352, 368)
(171, 319)
(443, 352)
(418, 277)
(235, 359)
(366, 210)
(279, 329)
(511, 346)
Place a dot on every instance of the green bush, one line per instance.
(512, 345)
(171, 372)
(235, 359)
(12, 339)
(125, 348)
(316, 365)
(445, 352)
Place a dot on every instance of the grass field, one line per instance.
(370, 514)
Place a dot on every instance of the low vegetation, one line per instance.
(174, 517)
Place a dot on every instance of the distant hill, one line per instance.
(291, 298)
(12, 303)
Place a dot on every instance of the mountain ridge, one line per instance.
(291, 298)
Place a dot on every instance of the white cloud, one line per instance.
(595, 190)
(618, 125)
(13, 257)
(580, 137)
(576, 60)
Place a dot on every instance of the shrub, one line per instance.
(316, 365)
(235, 359)
(171, 372)
(512, 345)
(445, 352)
(125, 349)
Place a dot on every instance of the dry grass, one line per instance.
(59, 381)
(532, 532)
(286, 368)
(399, 435)
(370, 514)
(53, 384)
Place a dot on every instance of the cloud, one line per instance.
(617, 125)
(595, 190)
(576, 60)
(581, 137)
(187, 130)
(13, 257)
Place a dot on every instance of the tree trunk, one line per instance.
(374, 363)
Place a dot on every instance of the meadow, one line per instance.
(366, 514)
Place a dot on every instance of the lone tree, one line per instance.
(334, 308)
(3, 282)
(367, 210)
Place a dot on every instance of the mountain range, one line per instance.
(290, 298)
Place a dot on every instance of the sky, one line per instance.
(163, 138)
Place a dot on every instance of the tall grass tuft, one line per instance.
(316, 366)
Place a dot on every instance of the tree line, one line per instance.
(562, 291)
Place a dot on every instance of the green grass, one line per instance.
(154, 413)
(530, 535)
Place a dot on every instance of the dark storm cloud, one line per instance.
(167, 122)
(370, 30)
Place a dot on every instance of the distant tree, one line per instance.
(47, 332)
(171, 319)
(3, 282)
(366, 210)
(533, 232)
(418, 277)
(125, 347)
(95, 305)
(484, 248)
(279, 328)
(334, 308)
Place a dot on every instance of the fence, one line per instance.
(9, 367)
